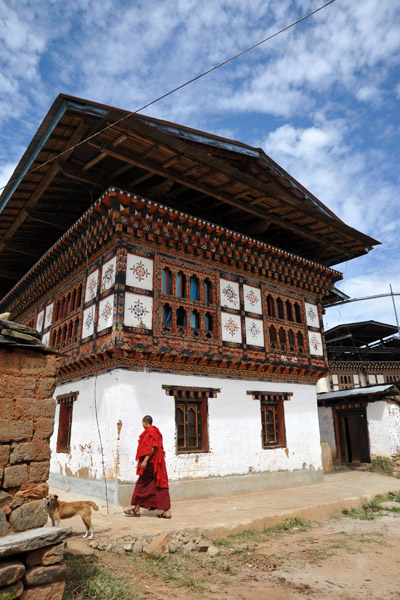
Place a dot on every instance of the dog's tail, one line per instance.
(93, 505)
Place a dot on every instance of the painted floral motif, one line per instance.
(138, 310)
(89, 320)
(312, 314)
(108, 277)
(229, 294)
(107, 310)
(39, 323)
(315, 342)
(252, 298)
(92, 286)
(232, 327)
(140, 271)
(254, 330)
(49, 313)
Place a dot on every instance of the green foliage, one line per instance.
(11, 595)
(85, 579)
(382, 464)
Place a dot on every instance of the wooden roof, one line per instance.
(89, 147)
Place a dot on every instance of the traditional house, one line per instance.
(181, 275)
(359, 401)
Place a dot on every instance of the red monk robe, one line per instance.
(151, 489)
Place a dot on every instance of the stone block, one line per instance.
(46, 387)
(15, 476)
(21, 386)
(29, 451)
(51, 591)
(33, 539)
(15, 431)
(28, 516)
(24, 360)
(10, 571)
(327, 460)
(78, 548)
(39, 471)
(44, 427)
(45, 556)
(3, 523)
(12, 591)
(15, 503)
(1, 476)
(158, 546)
(5, 498)
(42, 575)
(4, 455)
(33, 491)
(51, 368)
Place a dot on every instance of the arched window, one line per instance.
(271, 306)
(73, 300)
(180, 285)
(207, 291)
(76, 328)
(62, 306)
(181, 317)
(166, 281)
(300, 342)
(292, 341)
(78, 297)
(166, 318)
(289, 311)
(194, 288)
(297, 313)
(279, 305)
(272, 337)
(195, 322)
(67, 304)
(282, 338)
(208, 325)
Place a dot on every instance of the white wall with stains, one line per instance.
(384, 428)
(121, 398)
(327, 428)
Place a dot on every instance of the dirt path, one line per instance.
(343, 558)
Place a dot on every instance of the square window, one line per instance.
(273, 433)
(191, 425)
(65, 421)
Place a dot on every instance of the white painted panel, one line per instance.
(88, 321)
(231, 328)
(91, 285)
(254, 332)
(39, 321)
(108, 270)
(106, 313)
(378, 428)
(138, 310)
(315, 343)
(46, 338)
(139, 272)
(380, 379)
(48, 315)
(252, 299)
(229, 291)
(312, 315)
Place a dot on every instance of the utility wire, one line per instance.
(179, 87)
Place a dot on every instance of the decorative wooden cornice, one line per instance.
(118, 215)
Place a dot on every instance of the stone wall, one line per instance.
(32, 564)
(27, 382)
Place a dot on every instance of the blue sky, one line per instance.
(321, 99)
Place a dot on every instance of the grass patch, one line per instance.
(247, 537)
(382, 464)
(193, 571)
(85, 579)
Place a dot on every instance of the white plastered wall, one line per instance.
(327, 427)
(384, 428)
(234, 427)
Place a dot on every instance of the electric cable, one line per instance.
(179, 87)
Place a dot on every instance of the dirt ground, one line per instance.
(344, 558)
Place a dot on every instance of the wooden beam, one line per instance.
(76, 173)
(204, 188)
(94, 161)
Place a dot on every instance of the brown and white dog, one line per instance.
(58, 510)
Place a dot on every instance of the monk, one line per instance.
(151, 489)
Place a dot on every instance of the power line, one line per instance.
(179, 87)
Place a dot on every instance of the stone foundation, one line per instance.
(32, 565)
(395, 460)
